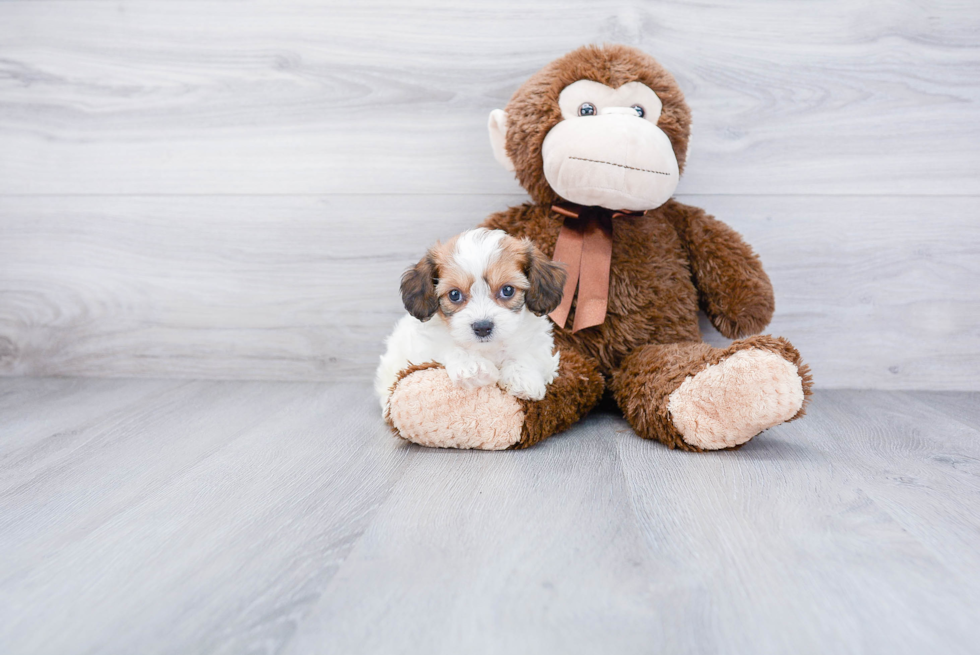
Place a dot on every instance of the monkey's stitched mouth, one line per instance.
(632, 168)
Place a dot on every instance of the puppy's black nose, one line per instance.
(482, 328)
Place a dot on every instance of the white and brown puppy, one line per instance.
(478, 305)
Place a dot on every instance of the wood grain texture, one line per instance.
(876, 293)
(227, 517)
(871, 97)
(203, 518)
(230, 189)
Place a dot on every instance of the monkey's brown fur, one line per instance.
(665, 266)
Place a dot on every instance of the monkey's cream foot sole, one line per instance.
(728, 403)
(428, 409)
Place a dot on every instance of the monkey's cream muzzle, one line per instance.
(615, 160)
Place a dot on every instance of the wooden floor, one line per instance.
(273, 517)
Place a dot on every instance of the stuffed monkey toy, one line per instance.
(598, 138)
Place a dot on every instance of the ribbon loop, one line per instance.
(585, 247)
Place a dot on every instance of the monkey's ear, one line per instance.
(547, 282)
(498, 138)
(419, 289)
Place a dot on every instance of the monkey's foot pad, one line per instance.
(426, 408)
(730, 402)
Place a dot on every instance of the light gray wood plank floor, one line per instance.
(144, 516)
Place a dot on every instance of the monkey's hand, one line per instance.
(733, 289)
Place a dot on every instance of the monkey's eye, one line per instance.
(506, 291)
(587, 109)
(639, 111)
(455, 295)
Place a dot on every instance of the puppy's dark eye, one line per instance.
(587, 109)
(506, 291)
(639, 111)
(455, 295)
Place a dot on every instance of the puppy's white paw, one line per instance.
(472, 372)
(522, 381)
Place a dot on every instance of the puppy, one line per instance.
(478, 305)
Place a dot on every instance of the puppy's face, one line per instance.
(481, 283)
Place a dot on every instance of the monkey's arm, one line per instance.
(733, 289)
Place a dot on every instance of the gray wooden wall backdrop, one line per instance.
(231, 189)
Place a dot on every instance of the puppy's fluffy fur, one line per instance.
(478, 305)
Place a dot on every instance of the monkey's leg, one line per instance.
(425, 407)
(696, 397)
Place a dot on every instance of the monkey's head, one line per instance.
(604, 126)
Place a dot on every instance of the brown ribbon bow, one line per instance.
(585, 247)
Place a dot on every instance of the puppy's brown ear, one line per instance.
(547, 282)
(419, 289)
